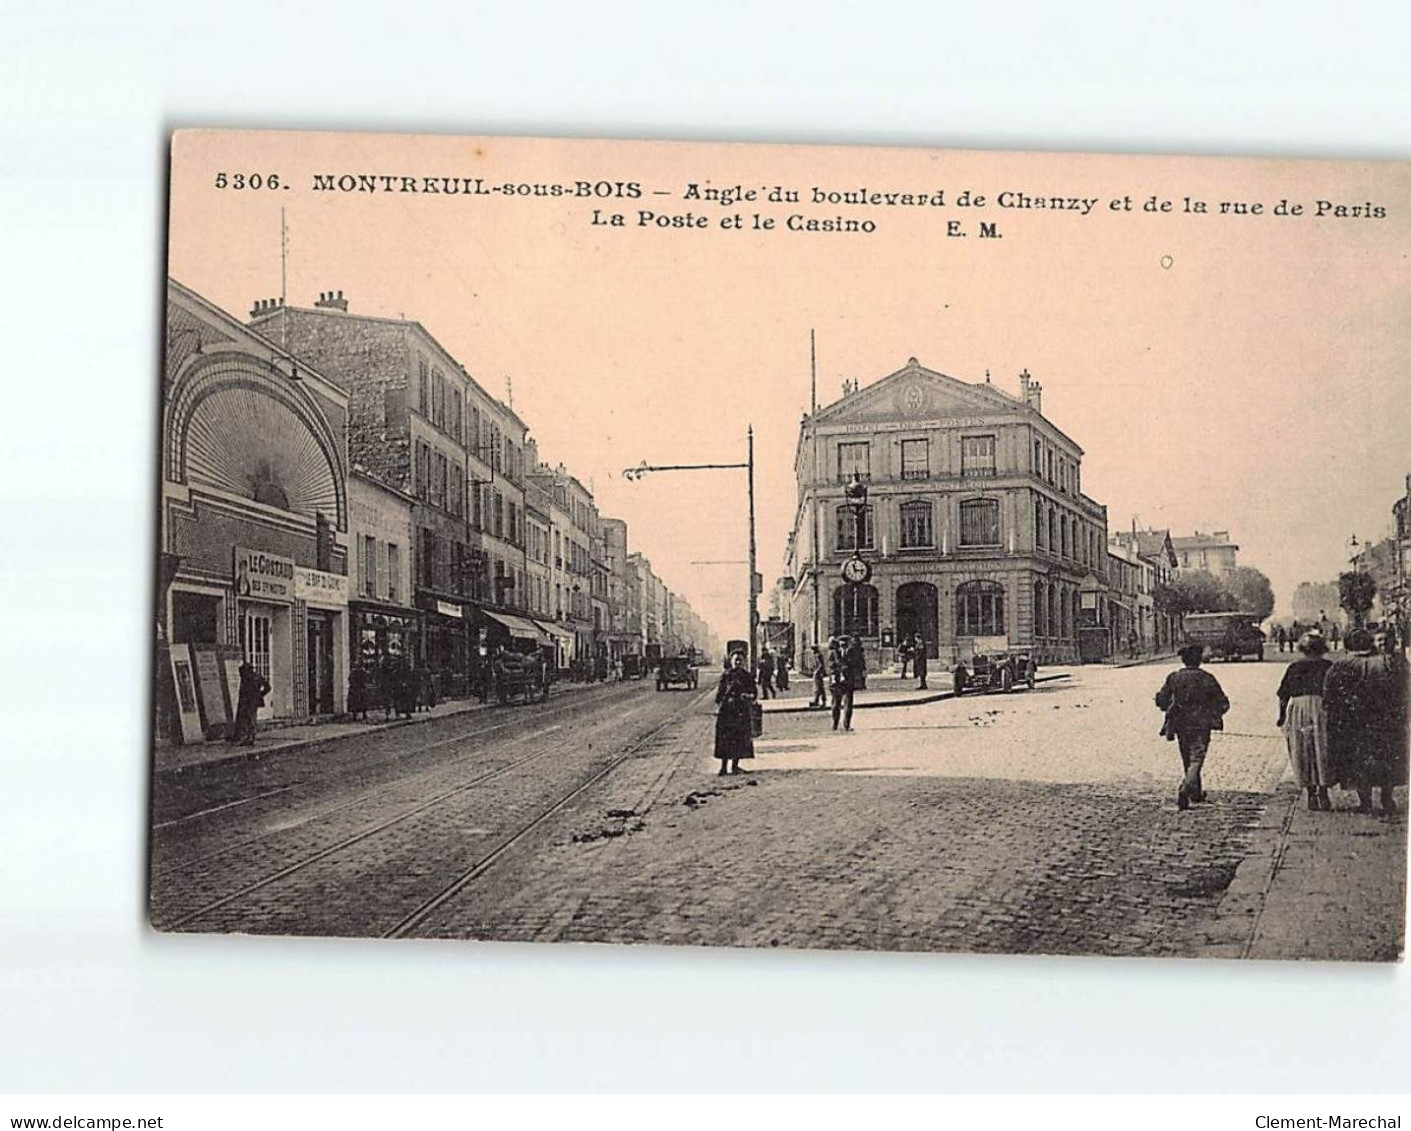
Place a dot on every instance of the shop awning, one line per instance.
(521, 627)
(564, 634)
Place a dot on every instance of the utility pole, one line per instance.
(644, 468)
(814, 476)
(754, 587)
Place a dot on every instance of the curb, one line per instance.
(862, 705)
(1237, 916)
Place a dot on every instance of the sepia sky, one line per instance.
(1242, 373)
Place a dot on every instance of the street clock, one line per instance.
(856, 570)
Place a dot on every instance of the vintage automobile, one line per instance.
(1226, 636)
(996, 671)
(633, 666)
(520, 675)
(676, 671)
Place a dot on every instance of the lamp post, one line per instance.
(856, 570)
(643, 468)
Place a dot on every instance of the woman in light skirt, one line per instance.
(1304, 722)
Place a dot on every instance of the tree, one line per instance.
(1194, 592)
(1251, 591)
(1355, 592)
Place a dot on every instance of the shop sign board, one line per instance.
(446, 609)
(318, 587)
(183, 672)
(260, 576)
(210, 684)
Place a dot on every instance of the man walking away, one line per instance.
(905, 653)
(1195, 704)
(918, 651)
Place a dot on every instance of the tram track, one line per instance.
(363, 798)
(340, 847)
(420, 914)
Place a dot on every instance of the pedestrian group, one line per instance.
(1344, 721)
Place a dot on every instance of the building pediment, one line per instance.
(915, 393)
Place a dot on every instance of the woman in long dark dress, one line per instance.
(1304, 722)
(734, 737)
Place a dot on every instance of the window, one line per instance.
(423, 391)
(1050, 466)
(915, 459)
(979, 523)
(438, 482)
(456, 414)
(979, 609)
(1040, 613)
(394, 571)
(423, 471)
(1038, 525)
(916, 525)
(255, 635)
(474, 438)
(977, 455)
(368, 564)
(1038, 457)
(427, 563)
(1063, 533)
(846, 529)
(854, 458)
(513, 523)
(497, 516)
(855, 610)
(438, 398)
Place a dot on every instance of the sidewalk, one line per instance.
(885, 689)
(283, 739)
(1328, 886)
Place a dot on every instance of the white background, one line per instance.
(92, 1000)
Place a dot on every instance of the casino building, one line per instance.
(253, 556)
(975, 529)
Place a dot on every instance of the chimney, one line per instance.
(1033, 392)
(332, 300)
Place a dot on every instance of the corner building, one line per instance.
(976, 528)
(254, 525)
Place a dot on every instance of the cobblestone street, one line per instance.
(1039, 822)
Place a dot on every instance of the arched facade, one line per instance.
(917, 607)
(255, 523)
(233, 425)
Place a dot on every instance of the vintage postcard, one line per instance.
(755, 545)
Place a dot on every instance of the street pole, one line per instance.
(644, 468)
(754, 596)
(813, 426)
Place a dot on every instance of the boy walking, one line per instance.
(1195, 704)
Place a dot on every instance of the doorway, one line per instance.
(320, 660)
(916, 614)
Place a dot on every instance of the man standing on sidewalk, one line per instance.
(1195, 704)
(840, 684)
(918, 652)
(766, 674)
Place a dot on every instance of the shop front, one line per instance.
(448, 640)
(264, 611)
(321, 599)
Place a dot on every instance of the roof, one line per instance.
(1219, 540)
(982, 395)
